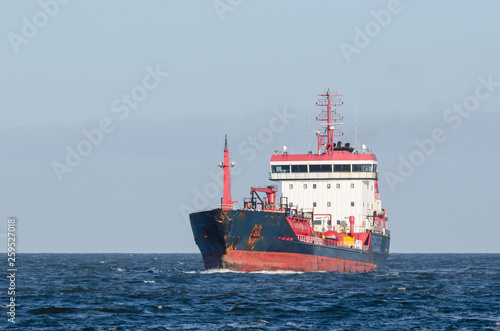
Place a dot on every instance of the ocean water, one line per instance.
(172, 291)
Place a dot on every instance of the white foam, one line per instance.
(219, 271)
(278, 272)
(392, 274)
(149, 281)
(265, 272)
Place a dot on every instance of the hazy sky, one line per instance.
(113, 113)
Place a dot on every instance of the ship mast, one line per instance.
(227, 203)
(332, 118)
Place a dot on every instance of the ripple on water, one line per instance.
(172, 291)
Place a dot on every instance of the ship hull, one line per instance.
(245, 240)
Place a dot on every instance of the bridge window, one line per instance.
(352, 185)
(314, 204)
(342, 168)
(320, 168)
(314, 185)
(305, 185)
(361, 168)
(328, 186)
(338, 185)
(280, 169)
(299, 167)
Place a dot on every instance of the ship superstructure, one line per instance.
(329, 216)
(336, 183)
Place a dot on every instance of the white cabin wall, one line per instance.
(340, 198)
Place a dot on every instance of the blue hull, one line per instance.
(248, 240)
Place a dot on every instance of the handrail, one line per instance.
(329, 242)
(310, 240)
(323, 175)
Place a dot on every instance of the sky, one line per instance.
(113, 113)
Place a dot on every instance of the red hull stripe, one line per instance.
(249, 261)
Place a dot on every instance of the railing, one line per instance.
(310, 240)
(329, 242)
(322, 175)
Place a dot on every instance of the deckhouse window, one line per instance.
(305, 185)
(320, 168)
(361, 168)
(342, 168)
(314, 186)
(299, 167)
(328, 186)
(290, 186)
(280, 169)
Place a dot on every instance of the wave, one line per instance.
(52, 310)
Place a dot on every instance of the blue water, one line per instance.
(171, 291)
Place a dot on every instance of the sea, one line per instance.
(174, 292)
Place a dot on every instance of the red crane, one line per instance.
(270, 192)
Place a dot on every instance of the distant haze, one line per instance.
(113, 114)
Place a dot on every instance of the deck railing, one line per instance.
(322, 175)
(329, 242)
(310, 240)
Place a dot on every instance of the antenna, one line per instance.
(332, 118)
(356, 126)
(309, 127)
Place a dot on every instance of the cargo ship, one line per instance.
(329, 215)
